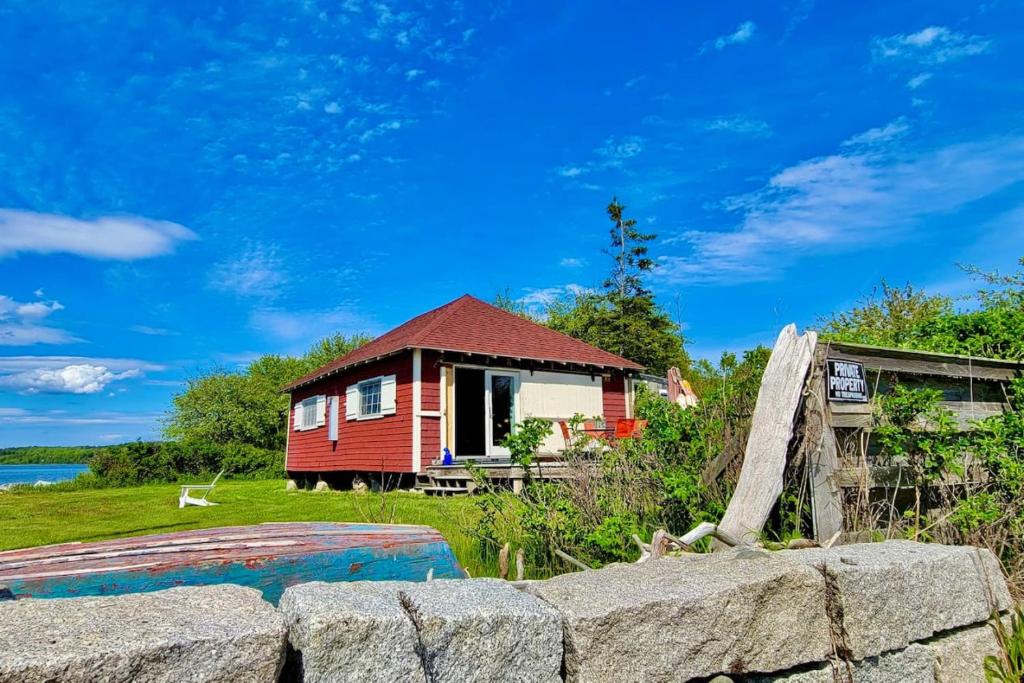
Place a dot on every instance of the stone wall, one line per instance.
(894, 611)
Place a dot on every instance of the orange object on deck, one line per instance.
(629, 428)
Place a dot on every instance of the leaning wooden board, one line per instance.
(268, 557)
(771, 429)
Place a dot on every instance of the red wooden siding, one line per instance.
(613, 395)
(430, 399)
(383, 443)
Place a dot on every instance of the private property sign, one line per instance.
(847, 382)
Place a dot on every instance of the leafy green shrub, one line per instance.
(1008, 665)
(915, 432)
(618, 490)
(142, 462)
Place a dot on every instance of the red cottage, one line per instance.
(458, 377)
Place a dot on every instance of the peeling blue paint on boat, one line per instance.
(267, 557)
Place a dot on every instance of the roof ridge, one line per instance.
(451, 306)
(554, 331)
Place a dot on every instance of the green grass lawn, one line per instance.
(39, 517)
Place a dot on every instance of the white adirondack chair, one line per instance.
(186, 499)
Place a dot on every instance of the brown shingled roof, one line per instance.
(470, 325)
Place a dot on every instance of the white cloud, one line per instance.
(68, 374)
(918, 80)
(739, 124)
(413, 74)
(70, 379)
(611, 155)
(29, 335)
(38, 309)
(19, 323)
(152, 331)
(309, 325)
(859, 197)
(122, 238)
(332, 108)
(380, 129)
(17, 364)
(743, 33)
(889, 131)
(536, 301)
(9, 308)
(257, 272)
(615, 150)
(931, 45)
(19, 416)
(571, 262)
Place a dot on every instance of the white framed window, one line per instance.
(311, 413)
(370, 398)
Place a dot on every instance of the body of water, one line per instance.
(30, 474)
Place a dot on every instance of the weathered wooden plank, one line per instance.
(764, 461)
(853, 421)
(923, 363)
(917, 353)
(716, 466)
(850, 408)
(823, 460)
(893, 476)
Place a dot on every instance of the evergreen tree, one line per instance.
(629, 251)
(624, 318)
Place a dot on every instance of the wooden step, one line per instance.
(444, 490)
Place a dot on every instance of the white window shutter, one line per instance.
(332, 418)
(297, 418)
(352, 402)
(387, 395)
(321, 411)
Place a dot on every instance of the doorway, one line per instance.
(485, 411)
(470, 437)
(501, 409)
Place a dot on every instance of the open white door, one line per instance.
(501, 391)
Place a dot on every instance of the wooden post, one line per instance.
(771, 430)
(822, 459)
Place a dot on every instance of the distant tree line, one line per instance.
(987, 323)
(49, 455)
(247, 406)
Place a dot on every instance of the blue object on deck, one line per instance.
(268, 557)
(448, 459)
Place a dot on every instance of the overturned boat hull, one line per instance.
(268, 557)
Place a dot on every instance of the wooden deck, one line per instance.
(268, 557)
(456, 479)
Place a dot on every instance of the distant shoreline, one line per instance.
(47, 455)
(38, 474)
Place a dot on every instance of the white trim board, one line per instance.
(417, 405)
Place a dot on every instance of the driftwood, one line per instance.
(571, 560)
(771, 430)
(503, 562)
(708, 529)
(662, 542)
(520, 565)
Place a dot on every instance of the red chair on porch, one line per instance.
(629, 428)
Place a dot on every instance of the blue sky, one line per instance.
(184, 186)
